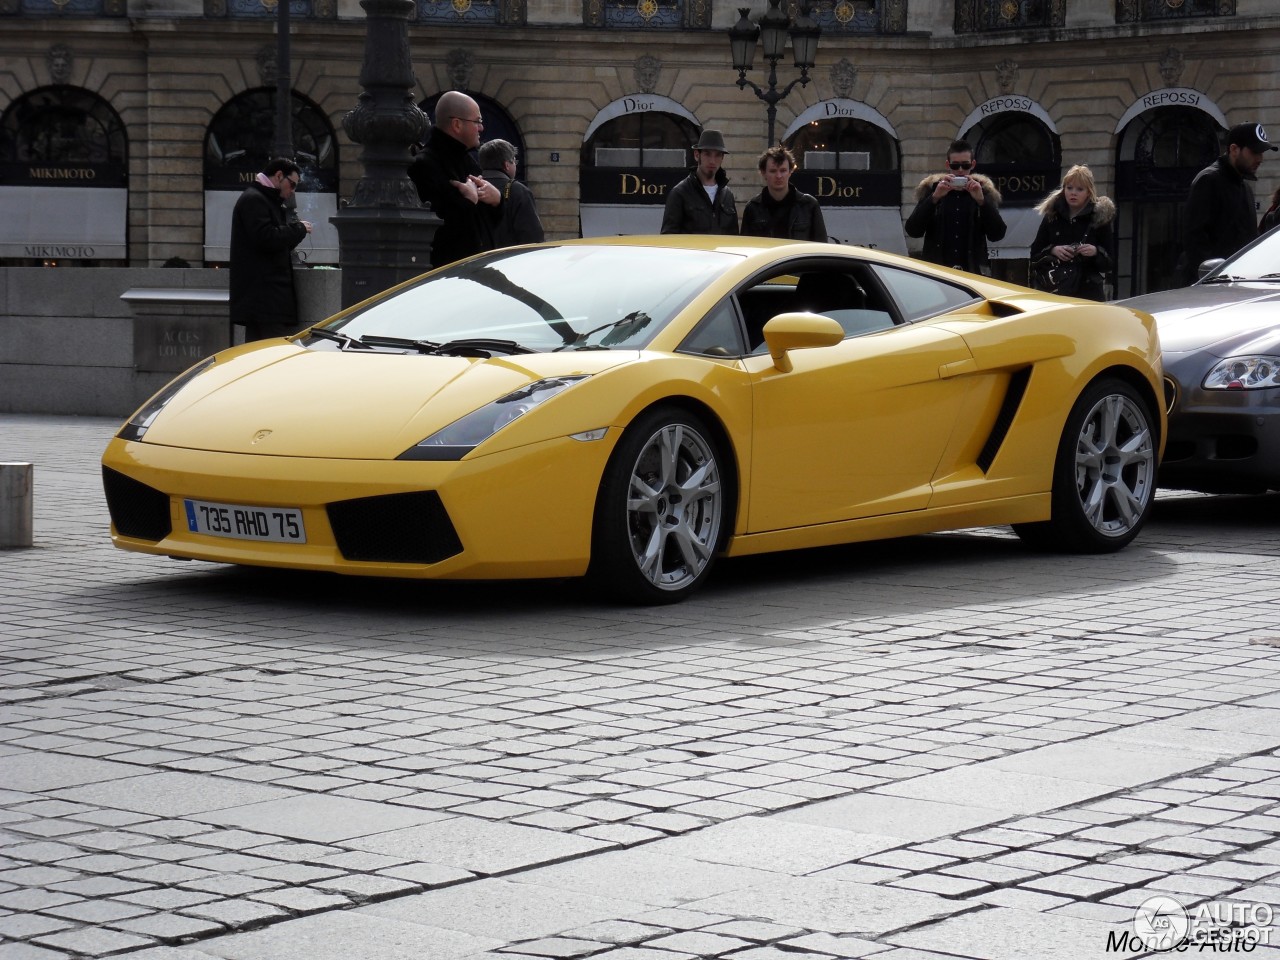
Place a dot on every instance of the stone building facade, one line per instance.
(603, 99)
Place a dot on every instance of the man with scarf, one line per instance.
(264, 231)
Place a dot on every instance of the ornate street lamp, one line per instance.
(772, 31)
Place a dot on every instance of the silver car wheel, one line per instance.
(674, 507)
(1115, 465)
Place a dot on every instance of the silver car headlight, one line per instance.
(1244, 373)
(146, 415)
(460, 437)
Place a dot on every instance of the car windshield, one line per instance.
(1261, 261)
(572, 297)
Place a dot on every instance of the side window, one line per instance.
(718, 335)
(921, 296)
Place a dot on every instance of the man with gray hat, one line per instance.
(1220, 215)
(702, 202)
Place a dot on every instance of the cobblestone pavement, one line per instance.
(936, 747)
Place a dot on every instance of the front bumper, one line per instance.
(1222, 441)
(523, 513)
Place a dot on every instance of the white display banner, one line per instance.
(70, 223)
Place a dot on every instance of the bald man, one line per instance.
(448, 178)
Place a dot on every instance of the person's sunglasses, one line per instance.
(960, 164)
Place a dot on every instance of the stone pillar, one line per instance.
(385, 233)
(15, 505)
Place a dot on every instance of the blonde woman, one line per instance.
(1071, 253)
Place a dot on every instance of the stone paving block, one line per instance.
(477, 845)
(553, 947)
(29, 951)
(236, 914)
(33, 772)
(93, 941)
(169, 927)
(502, 909)
(1000, 933)
(770, 844)
(350, 934)
(646, 875)
(172, 794)
(831, 906)
(892, 816)
(986, 786)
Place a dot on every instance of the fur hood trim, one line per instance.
(1104, 208)
(929, 183)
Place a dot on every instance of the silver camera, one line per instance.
(959, 183)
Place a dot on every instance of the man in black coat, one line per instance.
(957, 213)
(1220, 217)
(520, 222)
(702, 202)
(448, 178)
(264, 231)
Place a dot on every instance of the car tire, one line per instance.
(1104, 477)
(661, 512)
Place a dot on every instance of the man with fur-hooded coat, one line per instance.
(957, 213)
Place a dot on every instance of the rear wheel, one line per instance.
(1104, 478)
(660, 511)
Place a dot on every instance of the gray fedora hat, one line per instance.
(711, 140)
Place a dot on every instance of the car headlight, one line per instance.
(146, 415)
(462, 436)
(1244, 373)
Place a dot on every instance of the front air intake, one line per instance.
(137, 510)
(396, 528)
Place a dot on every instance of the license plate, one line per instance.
(240, 522)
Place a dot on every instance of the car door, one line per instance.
(855, 429)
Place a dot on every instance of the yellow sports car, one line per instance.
(629, 409)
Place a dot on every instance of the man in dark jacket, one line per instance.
(781, 210)
(448, 178)
(264, 231)
(520, 222)
(1219, 216)
(702, 202)
(957, 213)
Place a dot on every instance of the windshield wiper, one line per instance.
(476, 347)
(344, 342)
(620, 330)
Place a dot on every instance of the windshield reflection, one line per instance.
(551, 298)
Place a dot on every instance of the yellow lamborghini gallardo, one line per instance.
(630, 409)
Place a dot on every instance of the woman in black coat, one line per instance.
(1071, 254)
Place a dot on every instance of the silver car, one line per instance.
(1220, 339)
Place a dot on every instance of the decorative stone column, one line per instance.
(384, 233)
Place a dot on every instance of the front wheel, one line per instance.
(1104, 478)
(660, 510)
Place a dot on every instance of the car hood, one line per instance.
(290, 401)
(1218, 318)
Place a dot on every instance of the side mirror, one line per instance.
(1208, 267)
(798, 331)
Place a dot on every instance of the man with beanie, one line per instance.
(702, 202)
(1220, 215)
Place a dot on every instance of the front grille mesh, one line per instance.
(396, 528)
(137, 510)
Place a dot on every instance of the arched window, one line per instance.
(63, 126)
(642, 140)
(238, 144)
(64, 175)
(629, 164)
(844, 143)
(1020, 154)
(1158, 155)
(239, 141)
